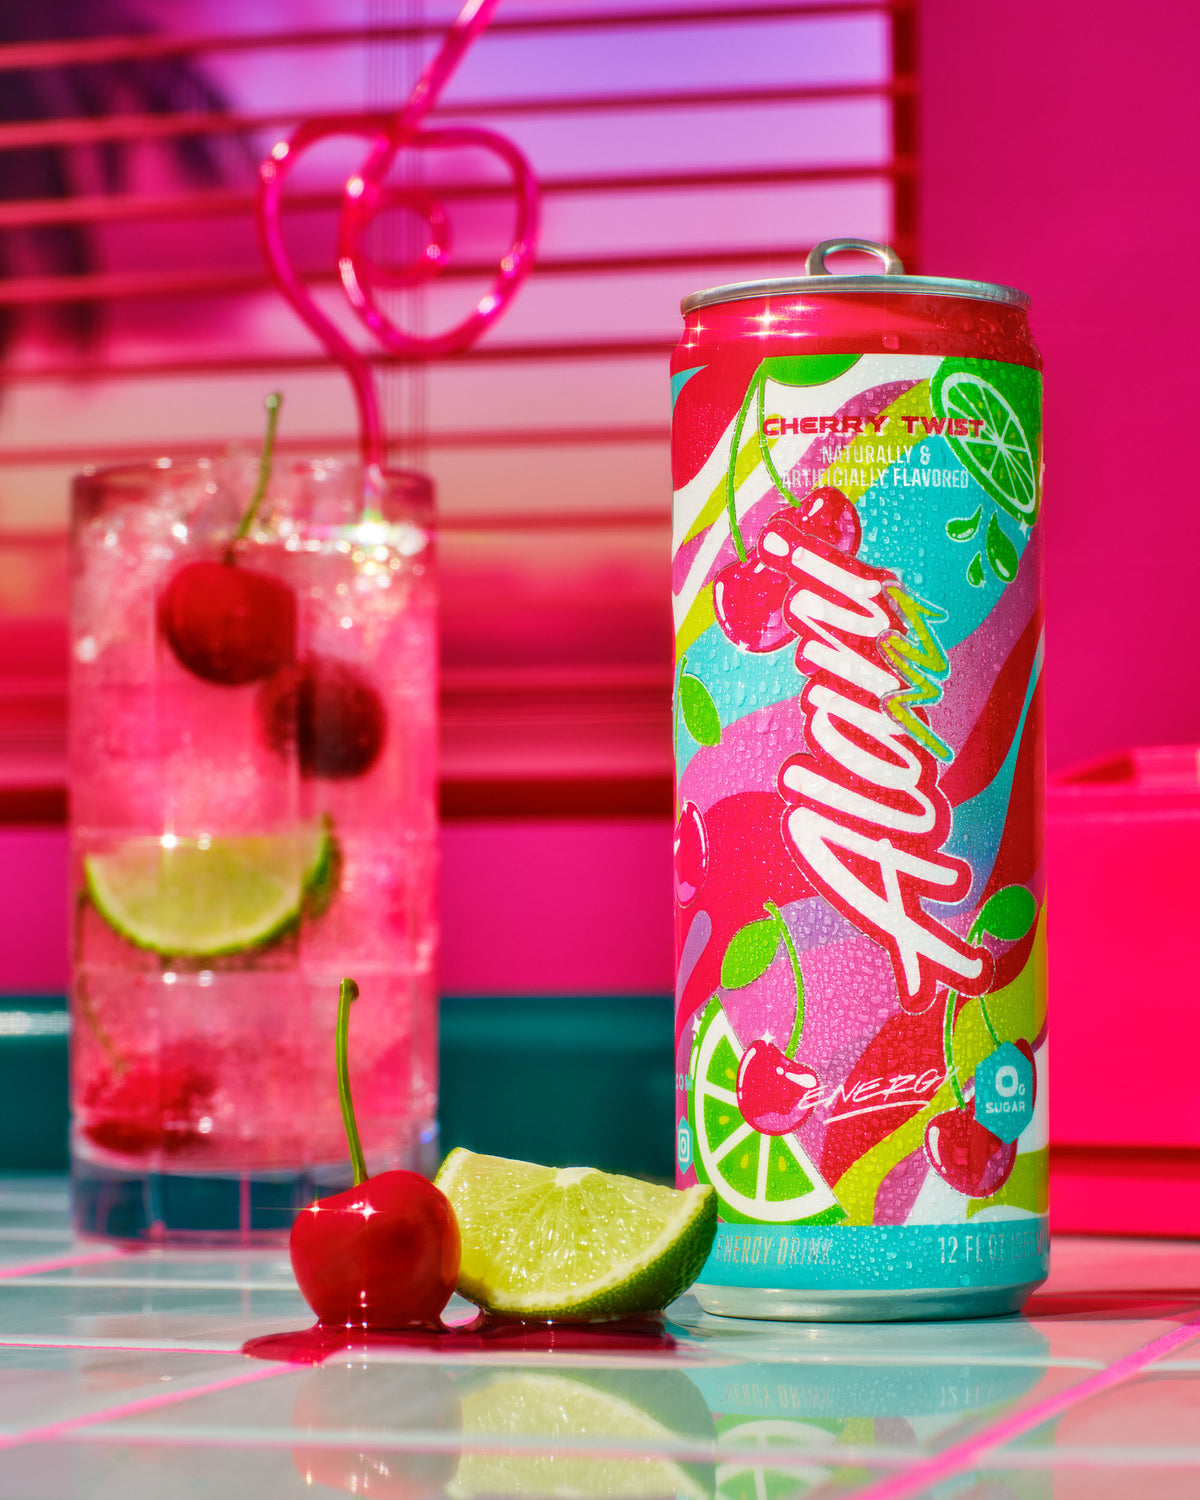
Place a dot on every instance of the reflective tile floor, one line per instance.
(121, 1376)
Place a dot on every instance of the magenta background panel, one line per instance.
(1059, 156)
(33, 911)
(557, 908)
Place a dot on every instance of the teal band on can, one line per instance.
(874, 1257)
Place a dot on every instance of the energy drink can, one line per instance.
(860, 933)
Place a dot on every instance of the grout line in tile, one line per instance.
(957, 1457)
(135, 1346)
(53, 1431)
(685, 1357)
(24, 1232)
(906, 1360)
(163, 1283)
(441, 1441)
(374, 1355)
(1098, 1458)
(839, 1455)
(56, 1263)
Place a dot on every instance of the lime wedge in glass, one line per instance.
(541, 1242)
(200, 897)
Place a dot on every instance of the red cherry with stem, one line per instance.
(227, 624)
(145, 1104)
(775, 1091)
(328, 712)
(830, 515)
(967, 1155)
(691, 853)
(748, 599)
(775, 1094)
(385, 1253)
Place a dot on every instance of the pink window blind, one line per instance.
(678, 146)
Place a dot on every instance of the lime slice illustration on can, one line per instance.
(1001, 451)
(759, 1179)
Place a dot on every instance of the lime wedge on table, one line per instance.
(201, 897)
(543, 1242)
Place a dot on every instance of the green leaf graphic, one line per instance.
(1001, 553)
(1009, 914)
(964, 528)
(807, 369)
(975, 572)
(750, 953)
(700, 716)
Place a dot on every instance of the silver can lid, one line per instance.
(891, 279)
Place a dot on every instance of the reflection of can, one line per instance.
(858, 735)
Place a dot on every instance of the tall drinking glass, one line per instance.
(253, 817)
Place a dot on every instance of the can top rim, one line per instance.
(817, 279)
(790, 286)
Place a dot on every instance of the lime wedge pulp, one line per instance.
(201, 897)
(541, 1242)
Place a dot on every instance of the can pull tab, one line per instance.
(815, 265)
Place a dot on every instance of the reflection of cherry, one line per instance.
(771, 1089)
(227, 624)
(748, 600)
(828, 513)
(329, 712)
(346, 1398)
(151, 1104)
(383, 1254)
(967, 1155)
(691, 853)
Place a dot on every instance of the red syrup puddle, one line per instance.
(309, 1346)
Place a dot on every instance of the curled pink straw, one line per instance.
(365, 195)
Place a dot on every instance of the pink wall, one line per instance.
(1058, 154)
(540, 907)
(33, 911)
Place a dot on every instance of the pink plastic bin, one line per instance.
(1123, 855)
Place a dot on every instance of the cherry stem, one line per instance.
(735, 531)
(347, 995)
(948, 1048)
(798, 1026)
(273, 402)
(977, 931)
(675, 726)
(776, 477)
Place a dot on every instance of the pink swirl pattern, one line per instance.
(366, 194)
